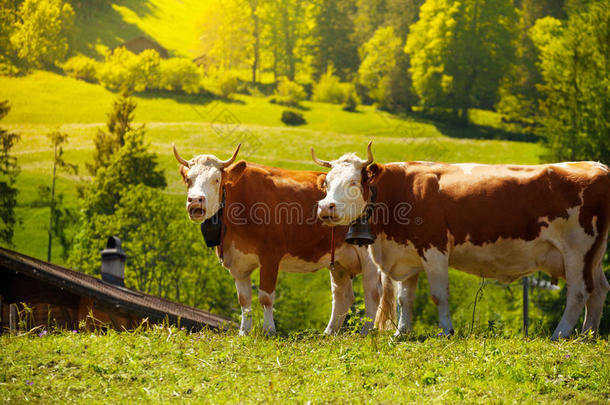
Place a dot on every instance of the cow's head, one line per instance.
(346, 187)
(203, 176)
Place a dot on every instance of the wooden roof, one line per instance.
(122, 298)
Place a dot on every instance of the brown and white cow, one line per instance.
(495, 221)
(270, 223)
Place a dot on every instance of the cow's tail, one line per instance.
(386, 313)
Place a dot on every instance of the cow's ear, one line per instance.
(184, 171)
(320, 182)
(235, 171)
(372, 173)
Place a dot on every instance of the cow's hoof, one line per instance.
(243, 332)
(399, 333)
(330, 332)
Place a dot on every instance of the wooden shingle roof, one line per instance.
(122, 298)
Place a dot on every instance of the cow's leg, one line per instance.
(577, 295)
(436, 266)
(266, 294)
(371, 284)
(386, 313)
(244, 295)
(406, 296)
(343, 297)
(595, 303)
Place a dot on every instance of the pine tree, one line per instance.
(119, 123)
(9, 169)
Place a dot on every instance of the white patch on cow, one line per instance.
(204, 175)
(507, 260)
(268, 323)
(344, 189)
(239, 263)
(397, 260)
(467, 167)
(437, 271)
(600, 165)
(570, 165)
(244, 294)
(425, 162)
(293, 264)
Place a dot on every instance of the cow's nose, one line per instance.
(327, 206)
(195, 199)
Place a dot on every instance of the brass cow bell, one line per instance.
(359, 232)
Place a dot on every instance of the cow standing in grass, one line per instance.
(270, 223)
(494, 221)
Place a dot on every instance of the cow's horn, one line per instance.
(232, 158)
(178, 157)
(370, 154)
(318, 161)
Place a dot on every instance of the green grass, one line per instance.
(157, 366)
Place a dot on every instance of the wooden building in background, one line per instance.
(57, 296)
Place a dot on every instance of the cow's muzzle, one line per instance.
(196, 207)
(327, 212)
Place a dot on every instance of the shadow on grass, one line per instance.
(101, 24)
(183, 98)
(472, 131)
(482, 132)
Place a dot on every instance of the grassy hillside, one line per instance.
(44, 101)
(162, 366)
(171, 23)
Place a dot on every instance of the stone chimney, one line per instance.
(113, 262)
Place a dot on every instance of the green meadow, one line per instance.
(170, 366)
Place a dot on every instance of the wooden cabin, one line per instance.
(57, 296)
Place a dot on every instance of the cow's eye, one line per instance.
(188, 182)
(217, 181)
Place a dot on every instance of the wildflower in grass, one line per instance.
(27, 382)
(567, 356)
(74, 331)
(43, 333)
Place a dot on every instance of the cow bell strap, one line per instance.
(370, 205)
(332, 248)
(221, 250)
(368, 210)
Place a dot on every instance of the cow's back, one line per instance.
(272, 211)
(481, 203)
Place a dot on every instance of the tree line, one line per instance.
(541, 63)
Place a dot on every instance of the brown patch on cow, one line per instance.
(233, 173)
(265, 301)
(243, 301)
(372, 173)
(184, 171)
(435, 300)
(320, 182)
(375, 295)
